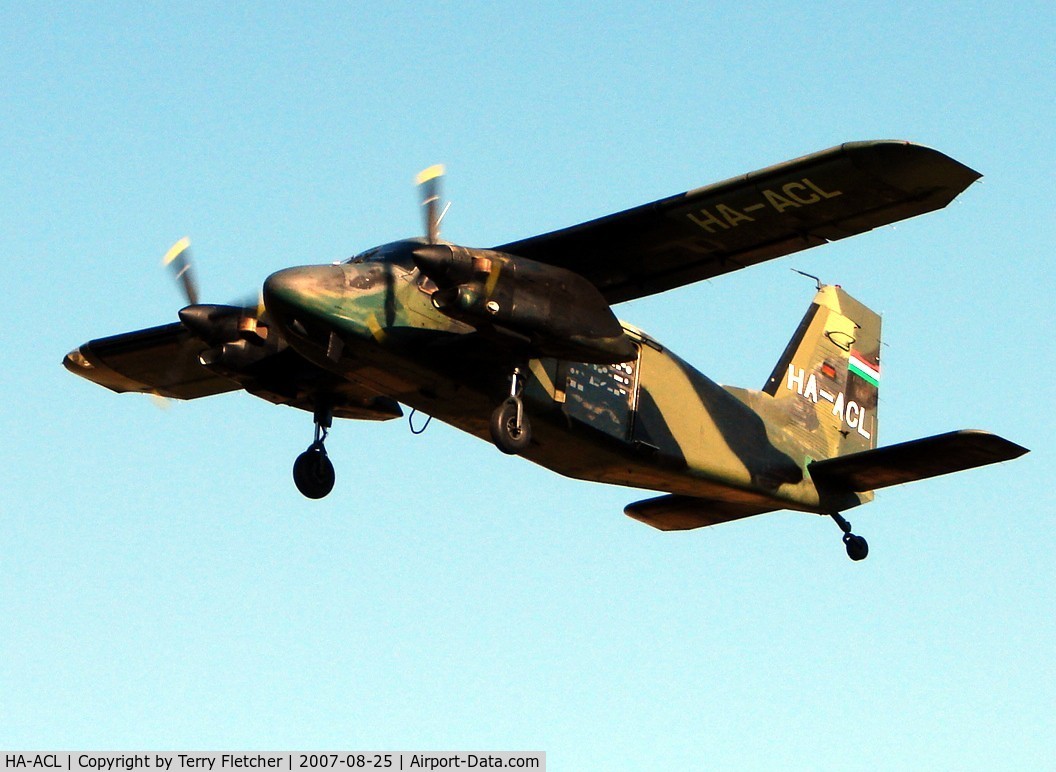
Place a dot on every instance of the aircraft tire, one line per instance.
(313, 473)
(857, 547)
(505, 433)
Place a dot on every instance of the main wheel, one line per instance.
(509, 436)
(857, 547)
(313, 474)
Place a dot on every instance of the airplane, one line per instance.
(519, 344)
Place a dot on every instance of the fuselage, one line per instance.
(652, 422)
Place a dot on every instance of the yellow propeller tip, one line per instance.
(434, 171)
(176, 250)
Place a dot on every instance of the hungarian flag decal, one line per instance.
(867, 372)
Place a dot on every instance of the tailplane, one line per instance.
(914, 460)
(828, 377)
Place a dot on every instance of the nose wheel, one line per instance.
(313, 474)
(510, 430)
(857, 547)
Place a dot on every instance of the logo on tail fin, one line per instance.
(858, 365)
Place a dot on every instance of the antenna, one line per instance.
(817, 281)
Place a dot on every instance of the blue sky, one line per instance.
(162, 583)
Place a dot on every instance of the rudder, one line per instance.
(828, 377)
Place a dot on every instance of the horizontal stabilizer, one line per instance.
(914, 460)
(682, 513)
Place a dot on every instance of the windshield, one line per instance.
(398, 253)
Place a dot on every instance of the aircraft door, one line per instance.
(601, 396)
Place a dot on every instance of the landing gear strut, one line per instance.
(857, 547)
(510, 430)
(313, 474)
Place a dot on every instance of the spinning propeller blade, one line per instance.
(428, 182)
(178, 258)
(254, 322)
(213, 323)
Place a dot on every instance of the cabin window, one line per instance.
(602, 396)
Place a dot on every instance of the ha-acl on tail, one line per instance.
(828, 378)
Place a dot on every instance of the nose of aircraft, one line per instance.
(311, 288)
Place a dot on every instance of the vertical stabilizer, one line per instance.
(828, 378)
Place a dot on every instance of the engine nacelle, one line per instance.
(234, 360)
(548, 310)
(237, 340)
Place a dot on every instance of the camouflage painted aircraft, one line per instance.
(519, 344)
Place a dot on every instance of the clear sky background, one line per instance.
(164, 586)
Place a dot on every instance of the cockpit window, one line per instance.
(397, 253)
(363, 257)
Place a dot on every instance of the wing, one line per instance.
(165, 360)
(746, 220)
(159, 360)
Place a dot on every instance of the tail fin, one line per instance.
(828, 377)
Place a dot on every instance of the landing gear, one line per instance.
(857, 547)
(313, 474)
(510, 430)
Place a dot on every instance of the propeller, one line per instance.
(178, 258)
(213, 323)
(254, 321)
(235, 336)
(434, 258)
(428, 181)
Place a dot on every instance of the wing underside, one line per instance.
(165, 361)
(159, 360)
(826, 196)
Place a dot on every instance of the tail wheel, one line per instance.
(857, 547)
